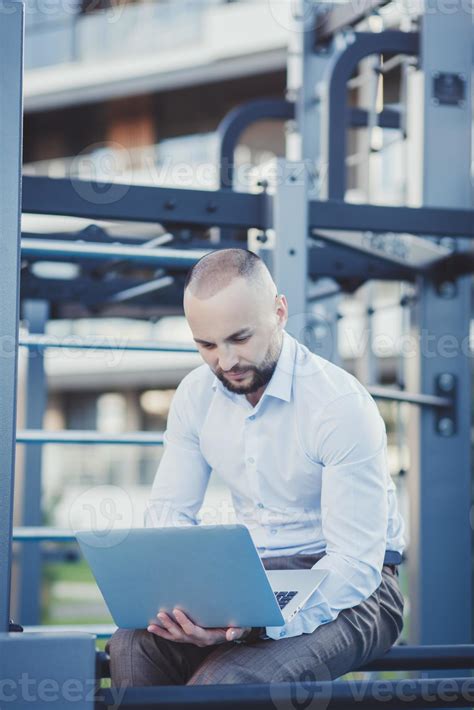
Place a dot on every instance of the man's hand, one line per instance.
(184, 631)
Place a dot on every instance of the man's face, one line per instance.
(238, 334)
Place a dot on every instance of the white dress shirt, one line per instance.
(306, 467)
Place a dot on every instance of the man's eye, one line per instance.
(208, 346)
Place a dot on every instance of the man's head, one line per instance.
(236, 317)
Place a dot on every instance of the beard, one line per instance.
(255, 377)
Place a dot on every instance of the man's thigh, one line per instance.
(357, 636)
(139, 658)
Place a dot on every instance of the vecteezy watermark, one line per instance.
(64, 9)
(294, 15)
(161, 513)
(109, 349)
(107, 166)
(316, 331)
(294, 686)
(305, 686)
(105, 510)
(297, 16)
(102, 173)
(28, 689)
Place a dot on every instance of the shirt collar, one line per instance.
(282, 378)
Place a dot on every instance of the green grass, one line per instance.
(69, 572)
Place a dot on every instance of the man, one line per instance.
(302, 446)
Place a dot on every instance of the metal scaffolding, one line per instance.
(307, 232)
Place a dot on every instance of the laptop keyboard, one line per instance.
(283, 598)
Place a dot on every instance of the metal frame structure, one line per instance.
(307, 233)
(11, 112)
(441, 444)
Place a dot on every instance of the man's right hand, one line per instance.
(182, 630)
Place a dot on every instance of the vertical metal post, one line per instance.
(35, 313)
(439, 480)
(286, 252)
(306, 72)
(11, 113)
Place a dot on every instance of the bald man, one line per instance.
(302, 447)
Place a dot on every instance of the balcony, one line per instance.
(74, 57)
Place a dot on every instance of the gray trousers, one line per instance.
(358, 635)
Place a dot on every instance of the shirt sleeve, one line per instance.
(183, 474)
(352, 448)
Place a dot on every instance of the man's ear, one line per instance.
(282, 310)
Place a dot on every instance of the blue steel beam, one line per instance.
(142, 204)
(162, 256)
(139, 203)
(433, 221)
(140, 438)
(36, 314)
(41, 342)
(440, 480)
(11, 121)
(337, 695)
(38, 533)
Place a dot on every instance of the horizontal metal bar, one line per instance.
(393, 63)
(37, 533)
(422, 692)
(388, 118)
(406, 250)
(163, 256)
(95, 232)
(142, 438)
(424, 400)
(137, 291)
(337, 214)
(442, 657)
(76, 342)
(351, 267)
(140, 203)
(102, 631)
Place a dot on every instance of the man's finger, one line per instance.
(170, 625)
(159, 631)
(188, 626)
(236, 633)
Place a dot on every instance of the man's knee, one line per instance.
(119, 642)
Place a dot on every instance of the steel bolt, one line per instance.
(447, 289)
(446, 426)
(446, 382)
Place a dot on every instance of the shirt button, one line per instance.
(260, 505)
(282, 633)
(252, 417)
(250, 460)
(273, 531)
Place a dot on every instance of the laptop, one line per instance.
(213, 573)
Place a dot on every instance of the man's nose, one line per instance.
(227, 360)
